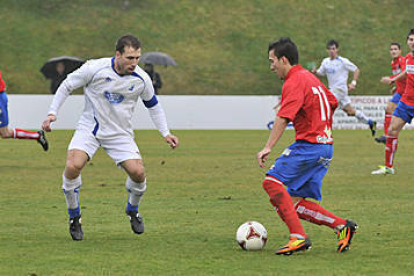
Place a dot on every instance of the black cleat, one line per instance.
(345, 236)
(137, 223)
(382, 139)
(42, 140)
(373, 127)
(75, 228)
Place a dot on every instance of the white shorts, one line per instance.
(119, 149)
(342, 97)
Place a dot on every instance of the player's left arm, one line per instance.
(293, 97)
(275, 134)
(353, 68)
(157, 114)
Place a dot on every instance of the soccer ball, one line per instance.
(251, 236)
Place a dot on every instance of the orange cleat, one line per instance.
(294, 245)
(345, 236)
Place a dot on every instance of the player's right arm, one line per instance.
(75, 80)
(320, 71)
(392, 79)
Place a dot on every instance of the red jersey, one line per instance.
(2, 84)
(408, 97)
(309, 105)
(398, 66)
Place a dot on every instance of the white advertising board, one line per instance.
(188, 112)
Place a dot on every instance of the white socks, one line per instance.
(71, 190)
(361, 116)
(135, 190)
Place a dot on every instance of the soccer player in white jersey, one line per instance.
(336, 69)
(112, 87)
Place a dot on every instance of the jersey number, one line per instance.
(323, 101)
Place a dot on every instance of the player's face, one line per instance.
(332, 51)
(410, 42)
(127, 61)
(276, 65)
(395, 51)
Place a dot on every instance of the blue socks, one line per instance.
(131, 208)
(74, 212)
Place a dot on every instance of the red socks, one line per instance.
(390, 149)
(304, 209)
(25, 134)
(387, 122)
(315, 213)
(282, 202)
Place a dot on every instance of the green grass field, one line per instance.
(220, 46)
(190, 220)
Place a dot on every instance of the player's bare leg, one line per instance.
(351, 111)
(72, 182)
(391, 146)
(17, 133)
(6, 133)
(136, 186)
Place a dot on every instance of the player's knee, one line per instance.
(137, 174)
(350, 112)
(393, 131)
(389, 109)
(73, 168)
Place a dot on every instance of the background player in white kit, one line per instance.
(112, 87)
(336, 69)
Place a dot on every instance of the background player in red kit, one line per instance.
(404, 112)
(16, 133)
(309, 105)
(397, 66)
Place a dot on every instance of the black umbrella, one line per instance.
(157, 58)
(71, 64)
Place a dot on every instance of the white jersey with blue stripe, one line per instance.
(337, 72)
(110, 98)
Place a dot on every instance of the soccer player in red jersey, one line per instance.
(397, 66)
(16, 133)
(309, 105)
(404, 112)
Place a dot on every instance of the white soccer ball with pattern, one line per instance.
(251, 236)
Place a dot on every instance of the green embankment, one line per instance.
(220, 46)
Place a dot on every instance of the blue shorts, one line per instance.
(404, 111)
(396, 98)
(4, 116)
(301, 167)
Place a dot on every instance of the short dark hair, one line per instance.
(411, 32)
(285, 47)
(127, 40)
(331, 43)
(396, 44)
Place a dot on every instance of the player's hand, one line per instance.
(351, 87)
(262, 156)
(171, 140)
(313, 70)
(386, 80)
(393, 90)
(46, 126)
